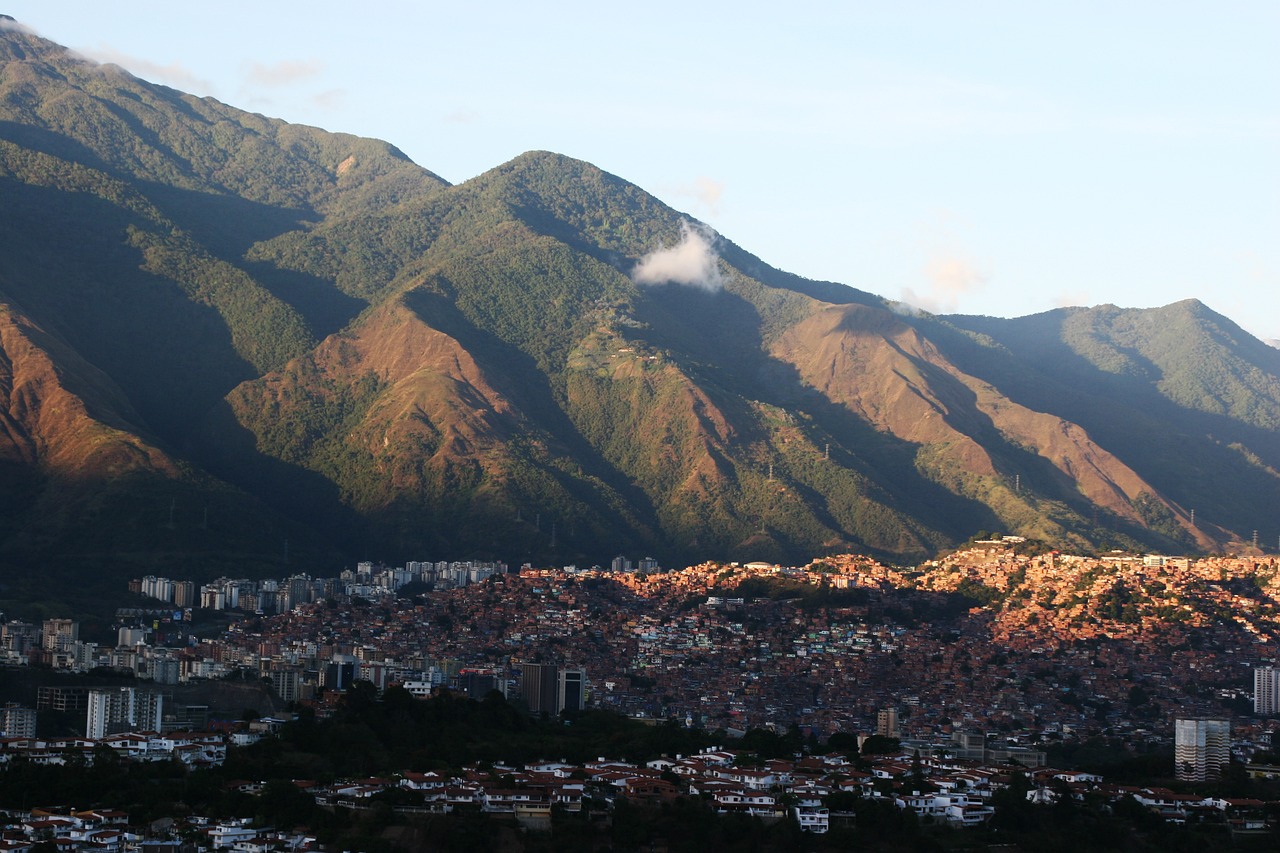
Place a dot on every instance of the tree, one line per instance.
(919, 782)
(284, 804)
(360, 698)
(1012, 809)
(843, 743)
(881, 745)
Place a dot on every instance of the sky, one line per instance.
(976, 157)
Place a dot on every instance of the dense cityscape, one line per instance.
(1000, 658)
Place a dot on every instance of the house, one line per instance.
(422, 781)
(811, 818)
(751, 803)
(648, 789)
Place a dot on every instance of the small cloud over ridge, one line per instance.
(8, 23)
(330, 99)
(462, 116)
(706, 191)
(173, 74)
(950, 276)
(1071, 299)
(692, 262)
(283, 73)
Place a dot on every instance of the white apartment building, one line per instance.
(122, 709)
(1202, 749)
(1266, 690)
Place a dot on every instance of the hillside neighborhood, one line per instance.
(964, 675)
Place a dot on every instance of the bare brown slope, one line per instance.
(724, 475)
(418, 405)
(880, 368)
(61, 414)
(420, 438)
(439, 422)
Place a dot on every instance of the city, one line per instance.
(1001, 657)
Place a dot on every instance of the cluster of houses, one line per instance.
(729, 780)
(959, 794)
(938, 788)
(955, 792)
(108, 831)
(195, 749)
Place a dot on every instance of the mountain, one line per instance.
(231, 344)
(1180, 392)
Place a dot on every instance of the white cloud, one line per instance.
(284, 73)
(949, 276)
(692, 262)
(708, 191)
(173, 74)
(7, 23)
(705, 191)
(462, 116)
(1071, 299)
(330, 99)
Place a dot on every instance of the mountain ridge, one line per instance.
(366, 358)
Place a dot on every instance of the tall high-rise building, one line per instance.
(59, 635)
(19, 637)
(571, 689)
(184, 594)
(1266, 690)
(123, 709)
(298, 589)
(110, 712)
(1202, 749)
(63, 699)
(285, 683)
(550, 689)
(166, 670)
(478, 684)
(148, 710)
(887, 722)
(539, 686)
(340, 673)
(17, 721)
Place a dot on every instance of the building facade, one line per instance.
(538, 687)
(1266, 690)
(1202, 749)
(64, 699)
(123, 709)
(17, 721)
(887, 722)
(571, 689)
(59, 635)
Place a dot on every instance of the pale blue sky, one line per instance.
(979, 157)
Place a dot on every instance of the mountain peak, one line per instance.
(541, 167)
(20, 42)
